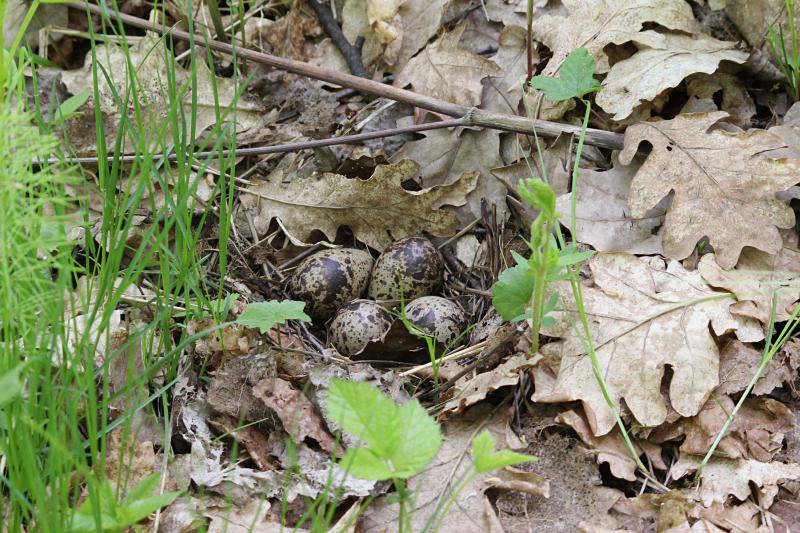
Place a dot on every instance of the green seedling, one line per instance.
(399, 441)
(521, 292)
(118, 515)
(264, 315)
(576, 80)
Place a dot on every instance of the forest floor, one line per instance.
(572, 237)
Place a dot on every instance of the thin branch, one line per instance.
(277, 148)
(478, 117)
(351, 53)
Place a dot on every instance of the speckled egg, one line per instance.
(437, 316)
(356, 324)
(411, 266)
(330, 278)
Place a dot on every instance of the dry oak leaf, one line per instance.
(702, 89)
(378, 210)
(148, 58)
(724, 187)
(603, 218)
(503, 93)
(738, 362)
(755, 278)
(722, 477)
(445, 71)
(412, 23)
(511, 12)
(611, 448)
(662, 62)
(643, 315)
(593, 24)
(757, 431)
(476, 389)
(444, 155)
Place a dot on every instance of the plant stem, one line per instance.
(540, 285)
(530, 43)
(573, 224)
(770, 349)
(275, 148)
(440, 513)
(216, 20)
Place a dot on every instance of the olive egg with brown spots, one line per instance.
(356, 325)
(439, 317)
(330, 278)
(411, 267)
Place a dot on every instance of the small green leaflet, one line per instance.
(264, 315)
(69, 107)
(485, 459)
(539, 194)
(10, 384)
(142, 501)
(399, 441)
(575, 78)
(512, 292)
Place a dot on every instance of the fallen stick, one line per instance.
(274, 148)
(477, 117)
(351, 52)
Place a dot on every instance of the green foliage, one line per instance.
(10, 384)
(486, 459)
(57, 413)
(788, 60)
(512, 291)
(116, 516)
(398, 441)
(69, 107)
(264, 315)
(520, 292)
(576, 78)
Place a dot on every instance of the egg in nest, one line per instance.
(357, 324)
(329, 279)
(411, 267)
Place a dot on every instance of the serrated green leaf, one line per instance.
(512, 291)
(363, 463)
(264, 315)
(363, 411)
(399, 440)
(420, 439)
(575, 78)
(485, 459)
